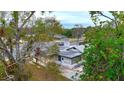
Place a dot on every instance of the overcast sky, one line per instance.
(69, 18)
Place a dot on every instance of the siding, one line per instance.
(76, 59)
(70, 61)
(66, 60)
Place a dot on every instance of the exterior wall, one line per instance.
(70, 61)
(66, 60)
(76, 59)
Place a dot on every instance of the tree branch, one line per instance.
(11, 58)
(114, 20)
(106, 16)
(27, 19)
(26, 49)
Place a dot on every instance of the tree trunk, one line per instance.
(17, 47)
(11, 45)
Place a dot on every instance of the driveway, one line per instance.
(73, 74)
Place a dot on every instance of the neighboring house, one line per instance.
(59, 37)
(70, 55)
(62, 40)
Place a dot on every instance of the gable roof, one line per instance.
(70, 53)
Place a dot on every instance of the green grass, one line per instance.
(2, 71)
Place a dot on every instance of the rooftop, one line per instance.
(59, 36)
(70, 53)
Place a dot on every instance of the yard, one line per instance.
(39, 73)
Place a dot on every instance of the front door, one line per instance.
(59, 58)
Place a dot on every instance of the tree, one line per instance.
(20, 26)
(12, 24)
(104, 59)
(53, 26)
(46, 28)
(68, 32)
(53, 50)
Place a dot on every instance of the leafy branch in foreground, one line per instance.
(104, 52)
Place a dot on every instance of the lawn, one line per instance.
(39, 73)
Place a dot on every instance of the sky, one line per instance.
(69, 18)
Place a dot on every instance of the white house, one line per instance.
(70, 55)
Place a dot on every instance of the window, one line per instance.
(80, 43)
(62, 58)
(61, 44)
(59, 58)
(74, 48)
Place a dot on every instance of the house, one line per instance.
(59, 37)
(70, 55)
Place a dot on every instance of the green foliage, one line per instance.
(53, 50)
(43, 37)
(57, 28)
(39, 26)
(12, 24)
(104, 54)
(2, 71)
(45, 30)
(68, 33)
(15, 15)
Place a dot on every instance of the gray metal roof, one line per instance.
(70, 53)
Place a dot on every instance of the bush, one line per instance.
(104, 56)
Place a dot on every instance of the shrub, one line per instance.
(2, 71)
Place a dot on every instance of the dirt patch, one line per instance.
(40, 73)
